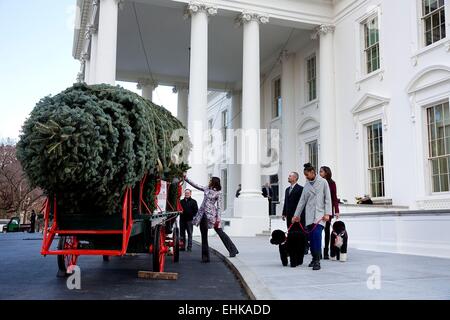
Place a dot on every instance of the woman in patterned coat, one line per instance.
(208, 216)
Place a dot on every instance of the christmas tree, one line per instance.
(87, 144)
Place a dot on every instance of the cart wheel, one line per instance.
(159, 249)
(105, 258)
(176, 244)
(66, 260)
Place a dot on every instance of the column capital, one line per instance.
(195, 7)
(285, 55)
(85, 56)
(179, 87)
(90, 30)
(247, 16)
(146, 82)
(80, 76)
(322, 30)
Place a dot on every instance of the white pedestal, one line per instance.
(251, 217)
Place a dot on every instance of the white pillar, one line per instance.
(86, 61)
(147, 86)
(182, 105)
(234, 167)
(198, 91)
(107, 42)
(288, 127)
(251, 207)
(251, 100)
(93, 55)
(327, 104)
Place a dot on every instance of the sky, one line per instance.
(36, 59)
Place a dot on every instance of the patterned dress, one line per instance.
(211, 206)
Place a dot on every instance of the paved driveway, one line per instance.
(25, 274)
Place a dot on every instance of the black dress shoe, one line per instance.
(316, 265)
(325, 254)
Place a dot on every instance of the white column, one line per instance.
(182, 105)
(93, 55)
(234, 168)
(198, 91)
(288, 128)
(251, 100)
(327, 104)
(147, 86)
(86, 67)
(107, 42)
(250, 207)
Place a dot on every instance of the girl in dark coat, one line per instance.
(325, 172)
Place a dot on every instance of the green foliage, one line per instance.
(89, 143)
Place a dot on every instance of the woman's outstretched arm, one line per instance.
(196, 186)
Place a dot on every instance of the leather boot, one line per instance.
(325, 254)
(316, 265)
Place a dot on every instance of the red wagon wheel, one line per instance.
(159, 249)
(176, 244)
(66, 260)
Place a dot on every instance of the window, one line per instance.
(438, 123)
(224, 125)
(277, 98)
(313, 153)
(224, 184)
(311, 78)
(372, 44)
(376, 161)
(210, 127)
(433, 20)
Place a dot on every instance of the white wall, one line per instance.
(383, 95)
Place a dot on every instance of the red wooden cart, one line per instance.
(136, 230)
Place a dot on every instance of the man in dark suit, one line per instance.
(190, 209)
(291, 199)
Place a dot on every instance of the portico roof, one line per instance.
(165, 35)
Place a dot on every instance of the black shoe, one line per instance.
(316, 265)
(189, 249)
(325, 254)
(311, 264)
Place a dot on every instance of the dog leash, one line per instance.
(303, 228)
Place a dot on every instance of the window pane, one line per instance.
(435, 166)
(436, 184)
(444, 183)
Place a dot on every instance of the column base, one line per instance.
(251, 217)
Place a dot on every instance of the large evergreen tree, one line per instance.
(88, 144)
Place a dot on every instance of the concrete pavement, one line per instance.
(401, 276)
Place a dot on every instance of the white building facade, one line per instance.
(361, 86)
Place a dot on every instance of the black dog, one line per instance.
(339, 240)
(293, 246)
